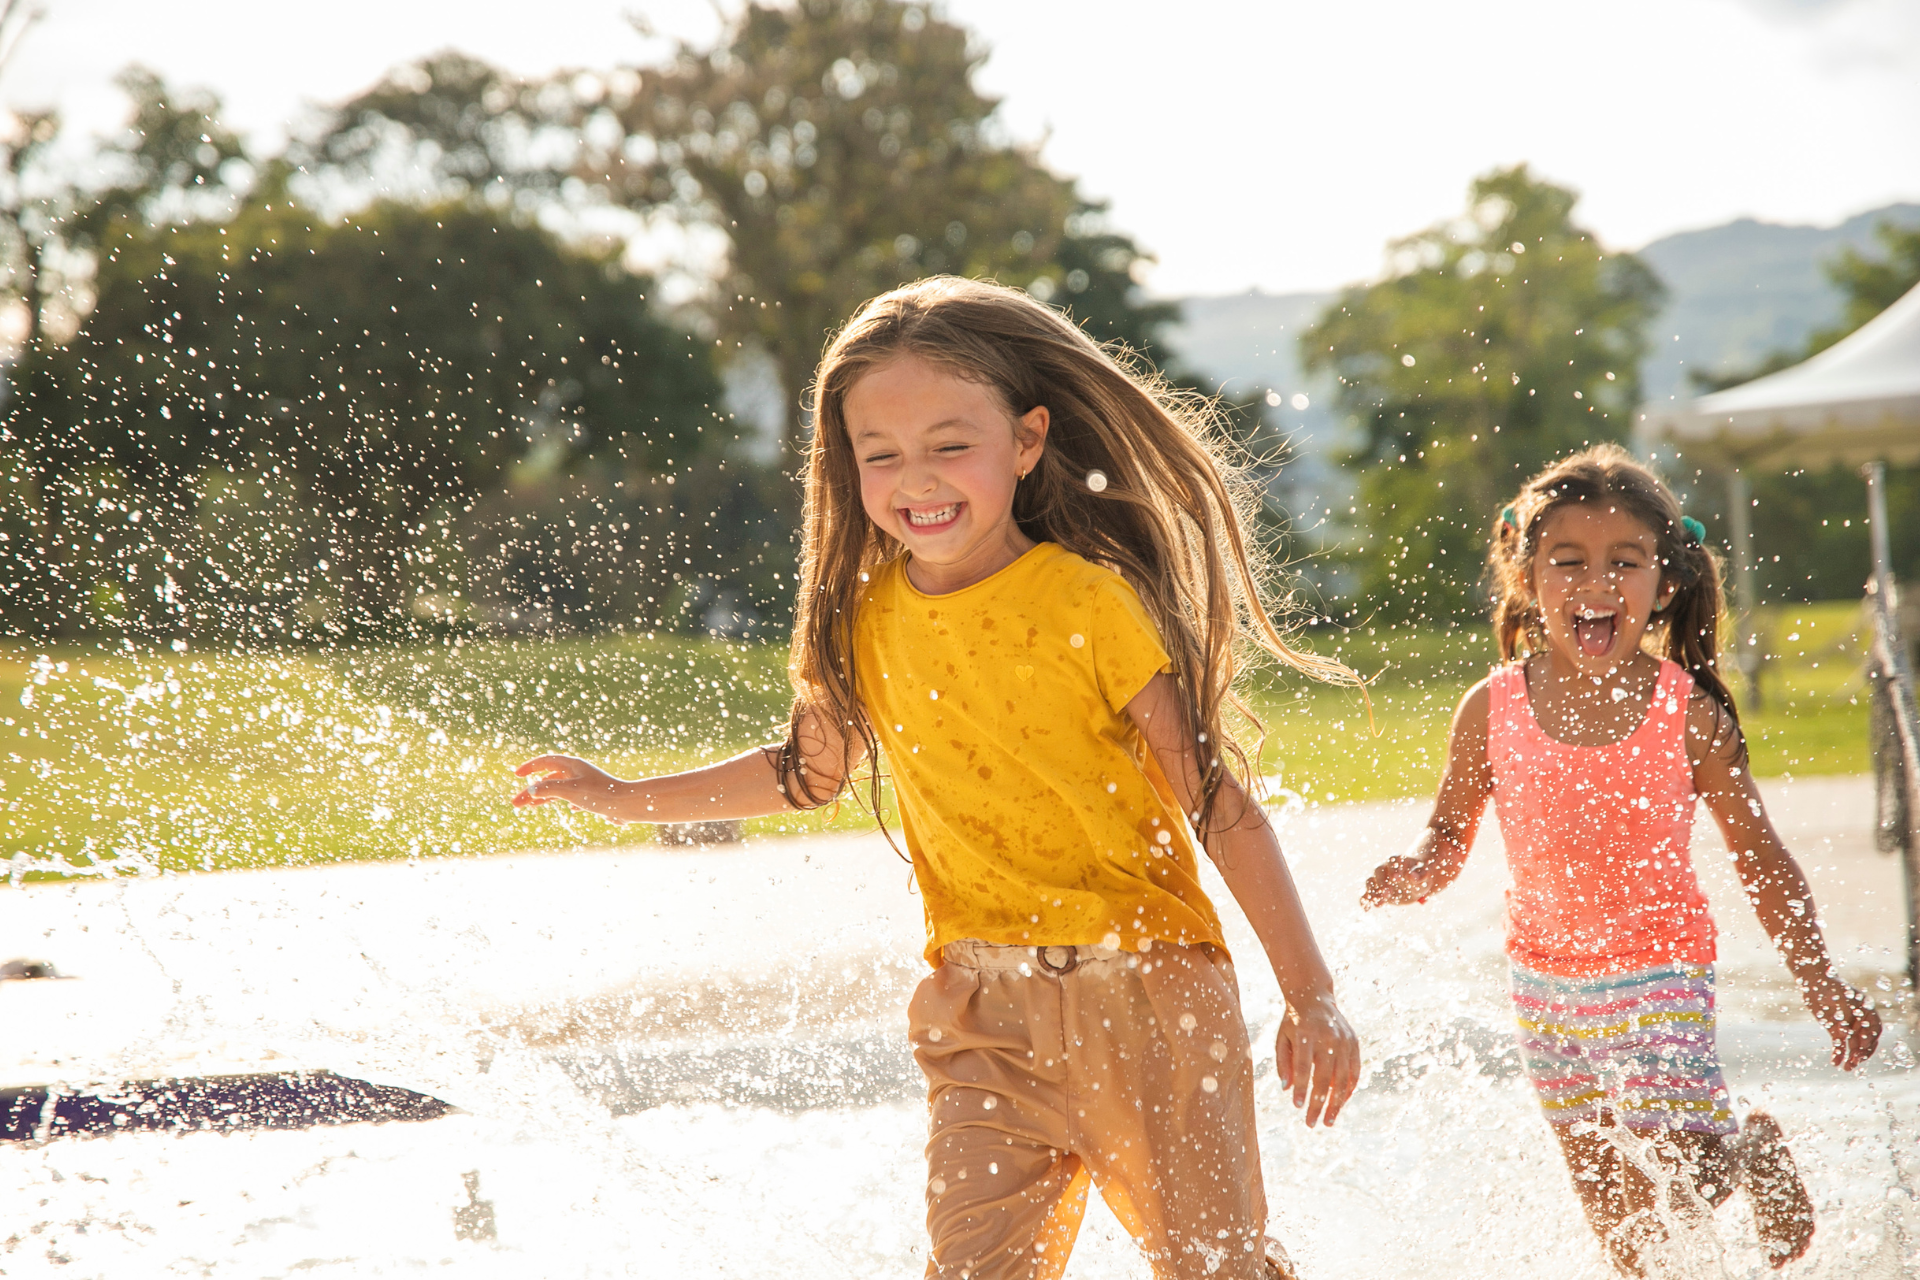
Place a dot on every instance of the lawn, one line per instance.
(126, 762)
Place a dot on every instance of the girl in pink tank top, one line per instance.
(1594, 748)
(1597, 836)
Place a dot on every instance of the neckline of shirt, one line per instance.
(907, 580)
(1662, 688)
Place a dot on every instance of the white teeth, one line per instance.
(940, 516)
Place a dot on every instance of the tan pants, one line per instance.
(1048, 1066)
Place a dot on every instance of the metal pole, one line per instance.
(1746, 654)
(1890, 662)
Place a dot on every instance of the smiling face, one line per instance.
(940, 458)
(1597, 579)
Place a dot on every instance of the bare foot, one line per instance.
(1782, 1210)
(1279, 1265)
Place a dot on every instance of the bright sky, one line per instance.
(1269, 143)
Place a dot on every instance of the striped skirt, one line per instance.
(1638, 1046)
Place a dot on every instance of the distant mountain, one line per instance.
(1735, 294)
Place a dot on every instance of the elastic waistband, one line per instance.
(1679, 970)
(1028, 961)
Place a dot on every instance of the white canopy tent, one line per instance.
(1858, 403)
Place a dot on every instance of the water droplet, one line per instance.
(1164, 836)
(1112, 787)
(933, 1033)
(1097, 481)
(1188, 1022)
(933, 694)
(1209, 1084)
(989, 1105)
(938, 1186)
(1076, 640)
(1111, 942)
(1407, 360)
(1219, 1051)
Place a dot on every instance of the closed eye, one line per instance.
(874, 459)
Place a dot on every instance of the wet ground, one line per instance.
(682, 1062)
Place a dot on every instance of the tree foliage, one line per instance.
(370, 378)
(1498, 341)
(843, 148)
(255, 418)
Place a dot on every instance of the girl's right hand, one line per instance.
(1400, 881)
(580, 784)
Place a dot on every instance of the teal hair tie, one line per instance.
(1509, 519)
(1694, 527)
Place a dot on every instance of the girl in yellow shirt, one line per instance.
(1024, 578)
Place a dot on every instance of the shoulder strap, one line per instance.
(1506, 705)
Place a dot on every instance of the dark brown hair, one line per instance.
(1686, 631)
(1171, 520)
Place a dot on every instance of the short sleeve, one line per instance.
(1127, 652)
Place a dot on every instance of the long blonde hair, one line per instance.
(1172, 518)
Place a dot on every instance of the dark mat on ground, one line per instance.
(280, 1100)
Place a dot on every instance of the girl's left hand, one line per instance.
(1317, 1056)
(1848, 1017)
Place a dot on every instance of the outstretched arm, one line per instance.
(1437, 856)
(1775, 885)
(747, 786)
(1317, 1056)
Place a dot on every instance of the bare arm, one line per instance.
(1775, 885)
(1438, 855)
(746, 786)
(1318, 1055)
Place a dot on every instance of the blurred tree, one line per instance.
(451, 126)
(173, 160)
(843, 148)
(838, 144)
(347, 390)
(1497, 341)
(1095, 278)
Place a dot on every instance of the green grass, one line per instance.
(113, 763)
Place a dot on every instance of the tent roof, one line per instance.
(1857, 400)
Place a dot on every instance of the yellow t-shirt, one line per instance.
(1033, 809)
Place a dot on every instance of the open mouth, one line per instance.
(936, 518)
(1593, 631)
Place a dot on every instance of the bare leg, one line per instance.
(1782, 1210)
(1620, 1200)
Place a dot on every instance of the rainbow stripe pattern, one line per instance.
(1638, 1046)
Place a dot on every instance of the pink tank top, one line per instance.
(1597, 838)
